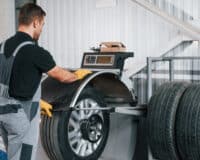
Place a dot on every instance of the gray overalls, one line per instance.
(19, 120)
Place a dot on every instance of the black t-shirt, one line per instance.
(29, 64)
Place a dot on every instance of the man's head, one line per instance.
(31, 19)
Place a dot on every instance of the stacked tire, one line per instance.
(188, 124)
(174, 122)
(63, 142)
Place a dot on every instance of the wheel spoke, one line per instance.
(90, 150)
(83, 149)
(99, 141)
(94, 146)
(86, 103)
(73, 134)
(97, 111)
(78, 148)
(74, 141)
(75, 115)
(82, 114)
(73, 124)
(93, 104)
(90, 112)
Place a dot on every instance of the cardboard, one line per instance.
(112, 47)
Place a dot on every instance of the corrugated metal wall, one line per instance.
(7, 28)
(7, 17)
(72, 26)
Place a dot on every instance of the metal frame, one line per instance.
(171, 60)
(127, 110)
(175, 42)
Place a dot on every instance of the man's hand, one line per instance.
(46, 108)
(81, 73)
(65, 76)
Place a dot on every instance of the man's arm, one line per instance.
(44, 61)
(62, 75)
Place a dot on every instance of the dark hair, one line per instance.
(29, 12)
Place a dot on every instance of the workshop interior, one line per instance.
(141, 100)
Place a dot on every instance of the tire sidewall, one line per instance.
(65, 147)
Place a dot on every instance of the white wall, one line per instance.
(72, 26)
(7, 27)
(7, 18)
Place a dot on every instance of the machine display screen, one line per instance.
(99, 60)
(104, 60)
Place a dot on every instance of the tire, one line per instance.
(188, 124)
(161, 117)
(49, 134)
(57, 142)
(43, 135)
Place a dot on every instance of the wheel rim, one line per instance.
(83, 137)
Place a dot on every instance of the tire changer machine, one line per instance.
(79, 127)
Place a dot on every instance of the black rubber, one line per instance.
(54, 132)
(44, 136)
(188, 124)
(161, 117)
(54, 135)
(51, 139)
(49, 136)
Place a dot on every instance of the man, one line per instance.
(22, 63)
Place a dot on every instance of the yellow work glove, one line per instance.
(46, 108)
(81, 73)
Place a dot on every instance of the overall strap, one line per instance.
(2, 47)
(5, 72)
(22, 45)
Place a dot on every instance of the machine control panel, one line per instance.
(99, 60)
(105, 60)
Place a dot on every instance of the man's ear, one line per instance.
(35, 23)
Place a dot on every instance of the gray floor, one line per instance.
(121, 141)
